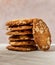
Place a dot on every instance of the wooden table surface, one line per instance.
(27, 58)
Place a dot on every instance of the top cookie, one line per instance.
(19, 22)
(41, 34)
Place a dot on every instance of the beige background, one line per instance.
(15, 9)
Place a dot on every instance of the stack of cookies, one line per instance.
(20, 35)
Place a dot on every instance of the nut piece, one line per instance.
(48, 41)
(45, 47)
(20, 21)
(33, 31)
(37, 29)
(41, 31)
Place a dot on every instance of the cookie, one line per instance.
(19, 22)
(18, 43)
(20, 27)
(41, 34)
(22, 32)
(21, 37)
(27, 48)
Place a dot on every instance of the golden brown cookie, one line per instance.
(22, 48)
(20, 27)
(19, 22)
(41, 34)
(18, 43)
(22, 32)
(21, 37)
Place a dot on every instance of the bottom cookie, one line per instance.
(22, 48)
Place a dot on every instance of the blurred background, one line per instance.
(18, 9)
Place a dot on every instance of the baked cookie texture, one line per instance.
(18, 43)
(22, 32)
(19, 22)
(41, 33)
(20, 27)
(19, 37)
(22, 48)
